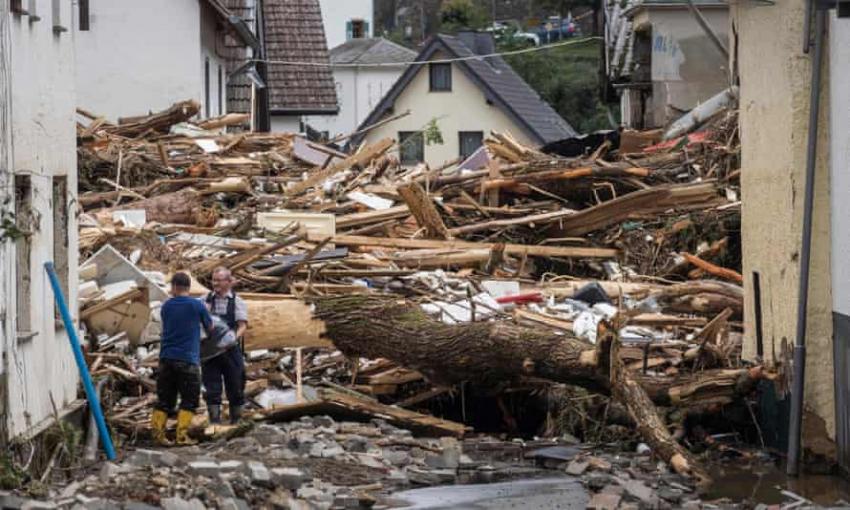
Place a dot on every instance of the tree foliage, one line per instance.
(567, 78)
(457, 15)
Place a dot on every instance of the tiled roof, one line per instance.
(293, 32)
(371, 51)
(500, 83)
(507, 85)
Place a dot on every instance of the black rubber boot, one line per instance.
(235, 414)
(214, 412)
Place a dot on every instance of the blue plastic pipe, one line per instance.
(91, 394)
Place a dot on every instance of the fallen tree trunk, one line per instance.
(494, 354)
(183, 207)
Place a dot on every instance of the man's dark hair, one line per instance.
(181, 280)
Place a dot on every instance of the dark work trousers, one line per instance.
(229, 367)
(178, 378)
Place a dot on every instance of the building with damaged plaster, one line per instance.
(38, 183)
(775, 84)
(660, 61)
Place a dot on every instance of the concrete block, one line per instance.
(289, 477)
(259, 473)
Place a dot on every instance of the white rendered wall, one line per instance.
(839, 136)
(138, 56)
(43, 145)
(286, 124)
(336, 13)
(359, 90)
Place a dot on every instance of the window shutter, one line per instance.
(366, 32)
(349, 30)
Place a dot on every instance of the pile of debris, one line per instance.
(611, 263)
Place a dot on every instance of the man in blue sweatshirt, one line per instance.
(179, 360)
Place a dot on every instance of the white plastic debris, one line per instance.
(370, 200)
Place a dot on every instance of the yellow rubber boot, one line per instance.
(159, 419)
(184, 421)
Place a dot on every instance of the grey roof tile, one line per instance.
(371, 51)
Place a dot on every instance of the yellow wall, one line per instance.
(774, 85)
(462, 109)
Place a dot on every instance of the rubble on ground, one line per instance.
(635, 233)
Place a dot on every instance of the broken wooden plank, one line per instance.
(422, 208)
(510, 249)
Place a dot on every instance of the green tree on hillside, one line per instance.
(457, 15)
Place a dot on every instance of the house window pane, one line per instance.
(441, 77)
(411, 147)
(84, 14)
(358, 29)
(23, 249)
(207, 88)
(60, 233)
(470, 141)
(220, 91)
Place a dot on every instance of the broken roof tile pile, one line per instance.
(621, 229)
(293, 32)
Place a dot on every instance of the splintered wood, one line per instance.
(614, 268)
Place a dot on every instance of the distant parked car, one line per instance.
(512, 30)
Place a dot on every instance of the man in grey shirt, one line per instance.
(228, 365)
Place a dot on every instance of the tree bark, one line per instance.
(495, 354)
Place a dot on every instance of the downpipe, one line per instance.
(798, 383)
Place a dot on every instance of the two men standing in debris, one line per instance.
(182, 353)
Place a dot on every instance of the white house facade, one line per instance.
(467, 99)
(125, 68)
(38, 183)
(364, 73)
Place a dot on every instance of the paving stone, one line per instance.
(431, 476)
(300, 504)
(372, 461)
(333, 451)
(324, 421)
(230, 466)
(671, 495)
(358, 444)
(138, 505)
(598, 481)
(312, 493)
(259, 473)
(145, 458)
(206, 468)
(639, 490)
(222, 488)
(110, 470)
(177, 503)
(289, 477)
(577, 467)
(34, 504)
(603, 501)
(396, 457)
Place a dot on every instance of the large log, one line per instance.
(282, 323)
(493, 354)
(183, 207)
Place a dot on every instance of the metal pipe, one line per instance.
(798, 384)
(91, 394)
(708, 30)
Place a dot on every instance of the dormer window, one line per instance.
(356, 29)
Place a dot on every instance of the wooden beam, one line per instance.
(510, 249)
(422, 208)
